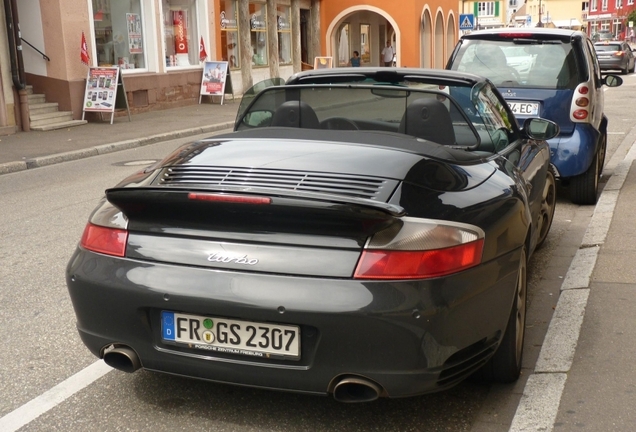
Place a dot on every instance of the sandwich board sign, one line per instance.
(103, 87)
(466, 21)
(213, 81)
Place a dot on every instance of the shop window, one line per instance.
(180, 32)
(119, 33)
(229, 33)
(258, 32)
(284, 34)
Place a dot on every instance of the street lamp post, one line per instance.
(540, 24)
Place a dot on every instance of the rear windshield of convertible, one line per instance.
(468, 117)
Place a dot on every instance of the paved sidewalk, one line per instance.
(25, 150)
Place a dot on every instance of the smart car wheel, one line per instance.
(584, 187)
(505, 365)
(548, 204)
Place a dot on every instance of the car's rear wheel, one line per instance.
(584, 187)
(505, 365)
(548, 205)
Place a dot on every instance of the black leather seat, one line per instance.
(296, 114)
(429, 119)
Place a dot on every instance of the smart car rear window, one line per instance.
(520, 62)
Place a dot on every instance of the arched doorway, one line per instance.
(426, 40)
(439, 41)
(450, 36)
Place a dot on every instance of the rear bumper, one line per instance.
(613, 64)
(410, 337)
(571, 155)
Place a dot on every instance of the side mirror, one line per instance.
(540, 129)
(612, 80)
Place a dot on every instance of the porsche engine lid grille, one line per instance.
(338, 184)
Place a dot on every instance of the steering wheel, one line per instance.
(338, 123)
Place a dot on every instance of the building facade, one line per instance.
(610, 16)
(158, 44)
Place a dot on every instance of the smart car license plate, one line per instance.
(524, 108)
(231, 336)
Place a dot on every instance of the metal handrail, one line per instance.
(44, 56)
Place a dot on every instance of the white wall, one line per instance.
(31, 27)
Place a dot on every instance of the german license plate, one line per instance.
(524, 108)
(231, 336)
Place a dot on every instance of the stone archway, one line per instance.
(381, 27)
(426, 40)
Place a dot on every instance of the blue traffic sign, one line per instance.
(466, 21)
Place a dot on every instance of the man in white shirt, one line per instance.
(387, 54)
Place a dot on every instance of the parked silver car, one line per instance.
(613, 55)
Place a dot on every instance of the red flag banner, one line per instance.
(202, 54)
(84, 51)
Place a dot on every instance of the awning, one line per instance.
(567, 23)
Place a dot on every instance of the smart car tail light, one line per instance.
(109, 241)
(580, 110)
(421, 249)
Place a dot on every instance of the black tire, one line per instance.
(505, 365)
(584, 187)
(548, 205)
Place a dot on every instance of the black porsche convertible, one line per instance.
(363, 232)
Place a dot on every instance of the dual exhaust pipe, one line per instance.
(354, 389)
(122, 358)
(350, 389)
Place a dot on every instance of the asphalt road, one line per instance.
(51, 382)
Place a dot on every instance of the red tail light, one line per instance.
(418, 264)
(109, 241)
(239, 199)
(420, 249)
(580, 114)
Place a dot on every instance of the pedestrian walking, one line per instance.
(387, 54)
(355, 60)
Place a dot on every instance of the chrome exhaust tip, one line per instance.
(122, 358)
(356, 389)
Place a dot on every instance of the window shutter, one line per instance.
(496, 9)
(476, 8)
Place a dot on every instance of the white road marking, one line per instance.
(51, 398)
(539, 405)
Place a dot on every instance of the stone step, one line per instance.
(41, 108)
(61, 125)
(29, 89)
(35, 99)
(50, 117)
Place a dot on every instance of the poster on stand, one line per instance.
(213, 80)
(101, 89)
